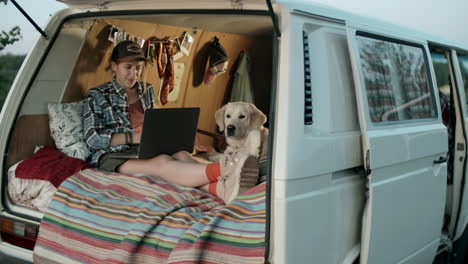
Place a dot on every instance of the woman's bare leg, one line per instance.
(205, 188)
(189, 174)
(184, 156)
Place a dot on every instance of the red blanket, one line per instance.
(49, 164)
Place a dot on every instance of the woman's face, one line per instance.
(127, 73)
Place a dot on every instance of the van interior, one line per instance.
(59, 82)
(78, 60)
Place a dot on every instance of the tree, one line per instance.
(9, 66)
(10, 37)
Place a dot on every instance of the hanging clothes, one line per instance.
(241, 86)
(165, 63)
(218, 61)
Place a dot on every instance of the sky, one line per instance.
(445, 18)
(38, 10)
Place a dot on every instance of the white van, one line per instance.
(367, 121)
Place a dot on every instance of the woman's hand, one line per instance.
(121, 139)
(136, 138)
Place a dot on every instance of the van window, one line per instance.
(396, 80)
(442, 73)
(441, 66)
(463, 61)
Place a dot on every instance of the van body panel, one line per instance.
(397, 217)
(424, 255)
(10, 254)
(329, 238)
(322, 10)
(315, 184)
(14, 255)
(406, 188)
(412, 146)
(462, 198)
(52, 80)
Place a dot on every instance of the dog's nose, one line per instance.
(231, 130)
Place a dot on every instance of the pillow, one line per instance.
(66, 128)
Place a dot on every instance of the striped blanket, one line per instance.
(100, 217)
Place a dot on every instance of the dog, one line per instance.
(242, 125)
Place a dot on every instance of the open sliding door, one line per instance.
(404, 146)
(460, 67)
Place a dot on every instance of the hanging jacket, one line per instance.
(242, 86)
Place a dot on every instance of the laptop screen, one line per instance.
(168, 130)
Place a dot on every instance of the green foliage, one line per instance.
(9, 66)
(10, 37)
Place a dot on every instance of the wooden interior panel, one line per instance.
(29, 131)
(94, 58)
(91, 70)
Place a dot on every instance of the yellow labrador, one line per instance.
(242, 124)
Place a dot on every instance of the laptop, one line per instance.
(166, 131)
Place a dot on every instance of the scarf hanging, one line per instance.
(165, 63)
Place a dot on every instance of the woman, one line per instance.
(112, 120)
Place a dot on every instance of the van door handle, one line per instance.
(440, 160)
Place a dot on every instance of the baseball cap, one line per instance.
(127, 51)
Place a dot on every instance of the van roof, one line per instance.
(164, 4)
(320, 10)
(368, 22)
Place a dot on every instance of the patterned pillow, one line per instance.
(66, 128)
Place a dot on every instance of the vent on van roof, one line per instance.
(307, 82)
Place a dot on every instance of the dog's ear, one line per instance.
(219, 117)
(257, 118)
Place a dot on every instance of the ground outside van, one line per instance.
(366, 149)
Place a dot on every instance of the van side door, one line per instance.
(460, 66)
(404, 146)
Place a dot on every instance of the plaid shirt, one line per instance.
(105, 112)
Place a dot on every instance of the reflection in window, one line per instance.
(396, 81)
(442, 73)
(443, 78)
(463, 61)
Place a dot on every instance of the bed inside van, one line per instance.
(97, 216)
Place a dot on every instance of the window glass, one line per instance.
(463, 61)
(442, 72)
(441, 69)
(396, 81)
